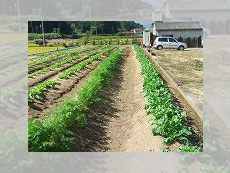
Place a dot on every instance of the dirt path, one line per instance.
(118, 122)
(128, 130)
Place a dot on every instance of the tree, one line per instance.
(78, 27)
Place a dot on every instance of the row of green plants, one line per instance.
(63, 62)
(186, 148)
(36, 92)
(83, 64)
(102, 40)
(33, 36)
(168, 119)
(63, 43)
(44, 55)
(56, 132)
(63, 54)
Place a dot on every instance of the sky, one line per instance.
(145, 23)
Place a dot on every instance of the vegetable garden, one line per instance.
(66, 100)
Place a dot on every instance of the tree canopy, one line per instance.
(79, 27)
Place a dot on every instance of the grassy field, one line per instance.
(187, 65)
(33, 48)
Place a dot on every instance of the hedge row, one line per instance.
(33, 36)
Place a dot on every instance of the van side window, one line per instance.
(163, 39)
(171, 40)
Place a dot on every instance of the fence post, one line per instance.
(199, 41)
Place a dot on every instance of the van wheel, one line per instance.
(181, 48)
(159, 47)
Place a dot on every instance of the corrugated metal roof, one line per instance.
(177, 25)
(138, 29)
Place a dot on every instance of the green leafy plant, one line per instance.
(61, 63)
(36, 92)
(54, 57)
(83, 64)
(40, 42)
(168, 119)
(166, 150)
(187, 148)
(54, 133)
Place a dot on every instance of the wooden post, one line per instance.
(199, 41)
(43, 35)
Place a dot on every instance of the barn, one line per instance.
(190, 32)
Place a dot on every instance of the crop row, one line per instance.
(44, 55)
(61, 63)
(168, 119)
(36, 92)
(83, 64)
(63, 54)
(54, 132)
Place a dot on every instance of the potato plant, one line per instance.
(168, 119)
(36, 92)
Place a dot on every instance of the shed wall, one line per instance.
(181, 33)
(146, 38)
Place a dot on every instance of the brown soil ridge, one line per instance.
(65, 88)
(42, 77)
(40, 66)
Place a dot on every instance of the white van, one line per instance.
(168, 43)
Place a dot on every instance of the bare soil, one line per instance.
(44, 76)
(129, 130)
(64, 88)
(40, 66)
(118, 123)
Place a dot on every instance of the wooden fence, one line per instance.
(191, 42)
(137, 41)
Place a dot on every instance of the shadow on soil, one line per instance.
(92, 137)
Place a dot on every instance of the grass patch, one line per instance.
(39, 49)
(187, 66)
